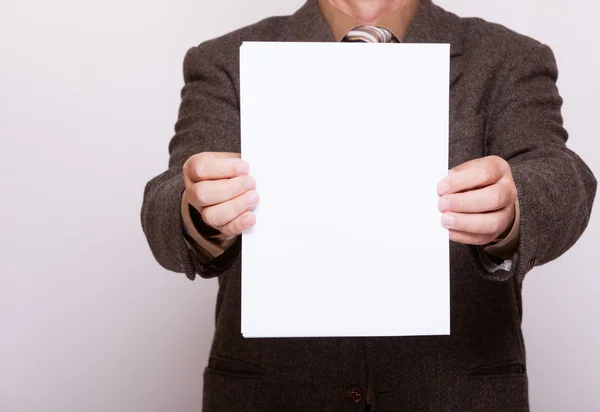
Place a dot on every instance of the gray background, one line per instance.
(89, 93)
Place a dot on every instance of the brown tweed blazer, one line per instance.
(504, 101)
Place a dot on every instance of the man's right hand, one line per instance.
(219, 187)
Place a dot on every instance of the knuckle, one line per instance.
(200, 194)
(191, 159)
(235, 227)
(209, 217)
(497, 198)
(237, 208)
(503, 166)
(189, 166)
(249, 199)
(485, 174)
(246, 183)
(199, 168)
(228, 230)
(455, 236)
(494, 158)
(238, 225)
(202, 156)
(493, 225)
(496, 161)
(234, 189)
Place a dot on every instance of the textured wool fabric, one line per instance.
(504, 102)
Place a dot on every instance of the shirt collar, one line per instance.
(340, 23)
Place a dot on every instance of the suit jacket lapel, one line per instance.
(308, 25)
(431, 24)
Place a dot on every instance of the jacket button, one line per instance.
(354, 395)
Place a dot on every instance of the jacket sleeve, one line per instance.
(556, 189)
(208, 121)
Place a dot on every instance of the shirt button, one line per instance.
(354, 395)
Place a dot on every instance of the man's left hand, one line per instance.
(477, 200)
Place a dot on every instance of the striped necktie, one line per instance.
(370, 34)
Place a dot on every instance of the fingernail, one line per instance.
(242, 167)
(249, 220)
(448, 221)
(443, 187)
(253, 198)
(444, 203)
(250, 183)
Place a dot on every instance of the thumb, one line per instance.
(464, 166)
(226, 155)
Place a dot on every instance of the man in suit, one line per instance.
(516, 198)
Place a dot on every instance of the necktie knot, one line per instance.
(370, 34)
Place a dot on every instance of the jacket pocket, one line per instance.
(496, 391)
(235, 368)
(504, 369)
(232, 385)
(225, 393)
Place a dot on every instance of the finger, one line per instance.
(473, 174)
(212, 192)
(488, 199)
(491, 224)
(469, 238)
(214, 166)
(240, 224)
(223, 213)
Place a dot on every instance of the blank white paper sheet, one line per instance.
(347, 142)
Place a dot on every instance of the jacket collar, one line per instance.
(430, 24)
